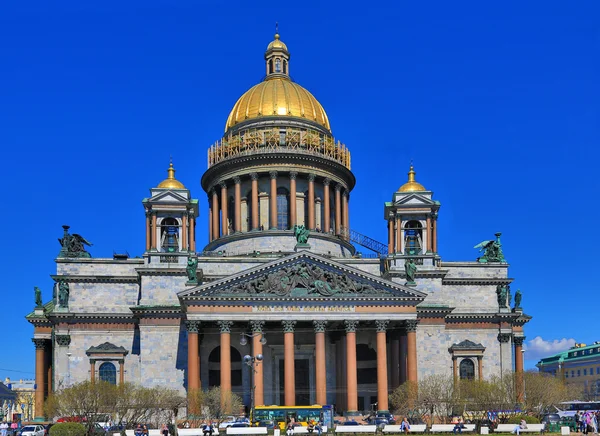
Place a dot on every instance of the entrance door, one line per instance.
(302, 376)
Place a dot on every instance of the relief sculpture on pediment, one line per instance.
(300, 280)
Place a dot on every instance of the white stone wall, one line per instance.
(433, 342)
(161, 289)
(78, 364)
(102, 297)
(163, 356)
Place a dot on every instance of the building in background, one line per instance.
(280, 276)
(579, 367)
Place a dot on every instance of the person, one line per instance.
(164, 430)
(290, 428)
(4, 428)
(208, 429)
(145, 430)
(521, 426)
(405, 426)
(319, 426)
(458, 426)
(138, 430)
(311, 425)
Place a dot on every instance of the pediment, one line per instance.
(414, 200)
(168, 197)
(304, 276)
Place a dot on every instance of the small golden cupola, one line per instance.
(277, 59)
(171, 182)
(412, 185)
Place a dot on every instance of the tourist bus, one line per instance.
(280, 415)
(570, 408)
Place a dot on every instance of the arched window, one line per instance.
(169, 235)
(284, 66)
(467, 369)
(270, 66)
(413, 238)
(283, 206)
(278, 65)
(108, 373)
(214, 368)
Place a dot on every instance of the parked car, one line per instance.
(387, 415)
(239, 424)
(231, 420)
(379, 421)
(551, 418)
(351, 422)
(33, 430)
(269, 424)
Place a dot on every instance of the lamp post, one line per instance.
(244, 336)
(252, 361)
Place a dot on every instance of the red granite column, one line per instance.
(184, 232)
(238, 204)
(257, 348)
(215, 216)
(429, 234)
(411, 345)
(435, 249)
(153, 232)
(390, 235)
(210, 220)
(148, 233)
(382, 371)
(351, 375)
(293, 217)
(520, 384)
(192, 232)
(289, 385)
(224, 211)
(338, 208)
(273, 200)
(320, 362)
(326, 206)
(193, 375)
(225, 327)
(40, 359)
(255, 223)
(311, 201)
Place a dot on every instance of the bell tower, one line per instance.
(171, 216)
(412, 219)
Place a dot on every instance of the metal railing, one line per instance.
(365, 241)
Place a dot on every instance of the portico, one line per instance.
(308, 307)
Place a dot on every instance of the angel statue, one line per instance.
(301, 233)
(192, 266)
(38, 296)
(73, 245)
(518, 297)
(492, 250)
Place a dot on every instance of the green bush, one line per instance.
(516, 419)
(68, 429)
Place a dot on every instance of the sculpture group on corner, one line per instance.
(73, 245)
(492, 250)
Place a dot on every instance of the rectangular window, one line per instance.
(572, 373)
(598, 370)
(584, 371)
(578, 373)
(567, 374)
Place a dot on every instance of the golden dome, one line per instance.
(277, 43)
(277, 96)
(412, 185)
(171, 182)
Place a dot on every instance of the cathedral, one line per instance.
(279, 303)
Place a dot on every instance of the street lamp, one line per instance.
(252, 362)
(244, 341)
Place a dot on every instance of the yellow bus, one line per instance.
(280, 415)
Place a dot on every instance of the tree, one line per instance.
(212, 405)
(85, 401)
(432, 395)
(127, 403)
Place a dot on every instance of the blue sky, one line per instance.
(497, 105)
